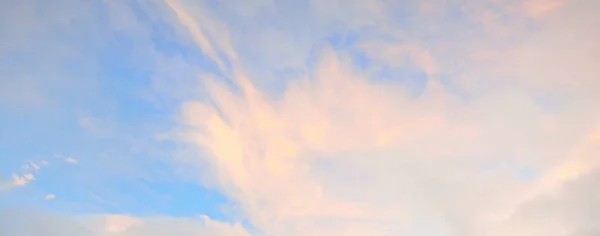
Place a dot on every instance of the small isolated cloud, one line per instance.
(49, 196)
(70, 160)
(67, 159)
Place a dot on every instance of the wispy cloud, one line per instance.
(70, 160)
(49, 196)
(23, 179)
(23, 176)
(217, 39)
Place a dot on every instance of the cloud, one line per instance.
(33, 222)
(177, 226)
(67, 159)
(120, 223)
(17, 180)
(208, 43)
(340, 154)
(49, 196)
(271, 152)
(70, 160)
(502, 139)
(354, 13)
(537, 8)
(24, 176)
(23, 179)
(569, 210)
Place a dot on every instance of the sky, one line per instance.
(300, 117)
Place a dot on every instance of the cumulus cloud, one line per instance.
(340, 154)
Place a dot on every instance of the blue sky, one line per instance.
(280, 117)
(107, 123)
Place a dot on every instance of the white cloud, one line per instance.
(209, 36)
(24, 176)
(162, 226)
(67, 159)
(17, 180)
(20, 180)
(120, 223)
(49, 196)
(34, 167)
(26, 222)
(338, 154)
(70, 160)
